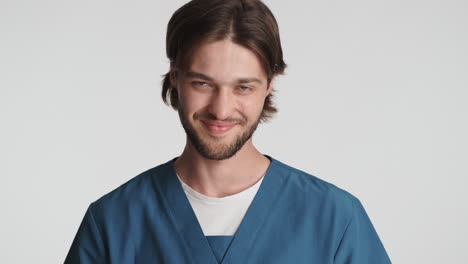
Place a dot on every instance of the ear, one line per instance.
(270, 86)
(173, 77)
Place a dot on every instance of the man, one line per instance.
(221, 200)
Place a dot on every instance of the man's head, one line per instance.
(224, 55)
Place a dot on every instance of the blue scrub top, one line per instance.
(294, 218)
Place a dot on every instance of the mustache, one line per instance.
(209, 116)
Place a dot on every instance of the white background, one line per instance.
(374, 100)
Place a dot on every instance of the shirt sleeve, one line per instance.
(360, 243)
(88, 246)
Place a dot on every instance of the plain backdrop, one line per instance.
(374, 100)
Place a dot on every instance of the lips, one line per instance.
(218, 127)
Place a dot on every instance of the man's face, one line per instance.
(221, 98)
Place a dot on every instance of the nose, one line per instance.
(221, 104)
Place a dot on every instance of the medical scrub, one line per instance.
(294, 218)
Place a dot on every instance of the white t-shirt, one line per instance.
(220, 216)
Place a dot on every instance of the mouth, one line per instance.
(218, 127)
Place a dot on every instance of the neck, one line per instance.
(219, 178)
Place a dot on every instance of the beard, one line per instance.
(216, 150)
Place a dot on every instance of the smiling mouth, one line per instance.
(217, 127)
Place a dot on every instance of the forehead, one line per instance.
(225, 60)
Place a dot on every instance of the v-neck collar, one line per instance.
(190, 230)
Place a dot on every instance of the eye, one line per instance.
(244, 88)
(200, 84)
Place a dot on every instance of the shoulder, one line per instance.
(313, 188)
(130, 194)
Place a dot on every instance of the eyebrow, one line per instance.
(202, 76)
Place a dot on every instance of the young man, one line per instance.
(223, 201)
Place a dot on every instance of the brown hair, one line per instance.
(248, 23)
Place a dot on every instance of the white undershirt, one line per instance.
(220, 216)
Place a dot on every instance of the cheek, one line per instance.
(192, 102)
(252, 107)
